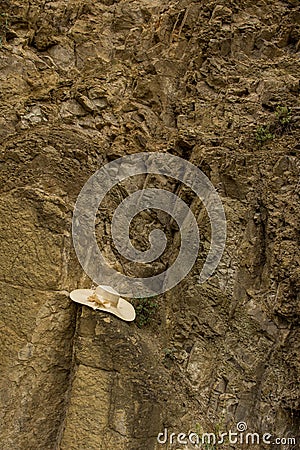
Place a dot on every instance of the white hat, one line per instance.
(105, 298)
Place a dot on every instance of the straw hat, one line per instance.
(105, 298)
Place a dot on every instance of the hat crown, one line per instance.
(108, 293)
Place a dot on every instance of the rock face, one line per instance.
(82, 83)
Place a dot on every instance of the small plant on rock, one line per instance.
(281, 123)
(264, 134)
(145, 309)
(283, 119)
(283, 115)
(4, 25)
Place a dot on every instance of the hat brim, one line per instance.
(124, 310)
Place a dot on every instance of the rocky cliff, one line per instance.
(82, 83)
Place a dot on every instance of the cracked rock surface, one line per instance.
(82, 83)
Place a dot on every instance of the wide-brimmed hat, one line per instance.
(105, 298)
